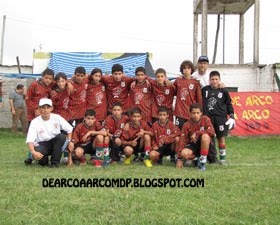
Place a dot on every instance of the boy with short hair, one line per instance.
(188, 91)
(87, 136)
(163, 93)
(96, 95)
(141, 95)
(217, 105)
(165, 136)
(38, 89)
(195, 138)
(78, 93)
(114, 125)
(136, 135)
(44, 136)
(117, 88)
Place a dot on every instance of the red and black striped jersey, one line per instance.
(117, 91)
(35, 92)
(204, 126)
(164, 133)
(77, 100)
(82, 129)
(116, 126)
(141, 97)
(130, 131)
(188, 91)
(163, 96)
(60, 100)
(97, 100)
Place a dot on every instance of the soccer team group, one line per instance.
(119, 118)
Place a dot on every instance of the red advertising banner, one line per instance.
(256, 113)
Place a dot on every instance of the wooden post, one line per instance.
(18, 65)
(204, 27)
(2, 39)
(241, 39)
(195, 37)
(256, 31)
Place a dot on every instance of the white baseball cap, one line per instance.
(45, 101)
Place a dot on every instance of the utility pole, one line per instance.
(2, 39)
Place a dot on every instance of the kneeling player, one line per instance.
(136, 135)
(88, 136)
(166, 136)
(195, 138)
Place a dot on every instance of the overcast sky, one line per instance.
(164, 28)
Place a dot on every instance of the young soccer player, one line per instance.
(60, 96)
(44, 136)
(77, 100)
(38, 89)
(188, 91)
(195, 138)
(165, 138)
(117, 88)
(163, 93)
(96, 95)
(136, 135)
(114, 125)
(87, 136)
(217, 105)
(141, 95)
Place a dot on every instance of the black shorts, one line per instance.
(180, 122)
(137, 149)
(164, 150)
(88, 149)
(218, 123)
(195, 147)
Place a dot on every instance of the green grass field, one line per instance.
(247, 191)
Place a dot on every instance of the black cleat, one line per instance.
(28, 161)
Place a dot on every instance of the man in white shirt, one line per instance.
(202, 74)
(44, 136)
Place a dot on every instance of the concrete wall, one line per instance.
(247, 77)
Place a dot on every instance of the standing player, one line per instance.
(96, 95)
(77, 100)
(114, 125)
(141, 95)
(195, 138)
(60, 96)
(217, 105)
(87, 136)
(136, 135)
(165, 136)
(38, 89)
(188, 92)
(117, 88)
(163, 93)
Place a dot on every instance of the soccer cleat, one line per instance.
(106, 163)
(83, 161)
(97, 163)
(28, 161)
(64, 160)
(127, 160)
(54, 165)
(148, 163)
(159, 161)
(201, 166)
